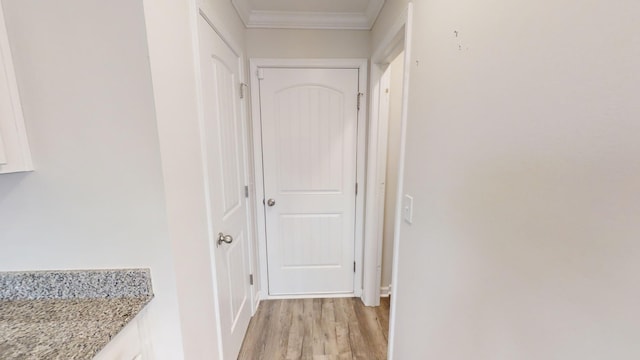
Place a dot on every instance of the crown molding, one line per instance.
(308, 20)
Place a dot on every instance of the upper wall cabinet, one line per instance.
(14, 148)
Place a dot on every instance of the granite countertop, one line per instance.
(67, 315)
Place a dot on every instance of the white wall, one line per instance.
(291, 43)
(524, 162)
(96, 198)
(393, 156)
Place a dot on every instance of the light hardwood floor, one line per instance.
(317, 329)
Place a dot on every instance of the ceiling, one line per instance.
(309, 14)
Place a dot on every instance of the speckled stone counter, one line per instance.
(67, 315)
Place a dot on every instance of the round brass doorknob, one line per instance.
(271, 202)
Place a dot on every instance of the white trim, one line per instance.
(361, 177)
(390, 46)
(249, 204)
(307, 20)
(362, 66)
(255, 63)
(385, 291)
(268, 19)
(257, 301)
(405, 24)
(258, 181)
(311, 296)
(376, 186)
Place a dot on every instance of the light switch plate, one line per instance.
(407, 209)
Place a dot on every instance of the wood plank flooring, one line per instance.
(317, 329)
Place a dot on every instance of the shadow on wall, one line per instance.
(533, 238)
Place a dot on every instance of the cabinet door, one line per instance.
(14, 148)
(124, 346)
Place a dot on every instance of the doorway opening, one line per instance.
(309, 149)
(371, 247)
(389, 75)
(395, 46)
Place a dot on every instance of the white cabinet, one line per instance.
(14, 148)
(133, 342)
(126, 345)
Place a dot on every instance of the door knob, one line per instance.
(271, 202)
(222, 238)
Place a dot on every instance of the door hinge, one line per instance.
(260, 74)
(354, 266)
(246, 191)
(356, 188)
(250, 279)
(359, 97)
(242, 87)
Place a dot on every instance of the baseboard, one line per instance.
(257, 302)
(310, 296)
(385, 291)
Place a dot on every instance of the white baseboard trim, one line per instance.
(309, 296)
(256, 304)
(385, 291)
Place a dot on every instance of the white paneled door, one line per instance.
(224, 158)
(309, 138)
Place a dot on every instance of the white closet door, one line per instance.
(309, 133)
(226, 180)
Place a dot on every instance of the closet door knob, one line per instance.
(222, 238)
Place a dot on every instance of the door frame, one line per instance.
(376, 174)
(398, 38)
(394, 43)
(256, 124)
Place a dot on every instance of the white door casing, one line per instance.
(309, 152)
(224, 157)
(398, 38)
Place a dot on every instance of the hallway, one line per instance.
(337, 328)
